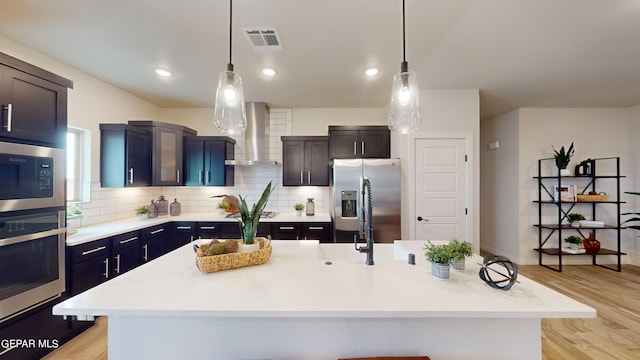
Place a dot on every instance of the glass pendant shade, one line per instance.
(229, 115)
(404, 115)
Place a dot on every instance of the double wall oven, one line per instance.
(32, 227)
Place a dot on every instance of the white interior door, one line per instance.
(441, 189)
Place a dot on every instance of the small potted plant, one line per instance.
(249, 219)
(298, 207)
(562, 158)
(574, 219)
(223, 207)
(440, 257)
(143, 212)
(461, 251)
(574, 242)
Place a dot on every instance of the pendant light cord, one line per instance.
(230, 65)
(404, 56)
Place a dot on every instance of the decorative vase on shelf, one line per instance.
(574, 246)
(311, 207)
(591, 245)
(564, 172)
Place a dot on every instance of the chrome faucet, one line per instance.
(366, 227)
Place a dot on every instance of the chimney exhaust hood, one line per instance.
(256, 137)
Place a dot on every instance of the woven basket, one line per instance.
(592, 198)
(214, 263)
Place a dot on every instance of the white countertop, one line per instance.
(95, 232)
(297, 282)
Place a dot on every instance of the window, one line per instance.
(78, 165)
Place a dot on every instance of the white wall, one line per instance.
(314, 121)
(595, 132)
(499, 226)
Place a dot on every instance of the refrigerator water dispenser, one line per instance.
(349, 203)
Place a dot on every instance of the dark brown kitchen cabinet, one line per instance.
(286, 231)
(209, 230)
(316, 231)
(89, 265)
(305, 161)
(125, 252)
(153, 242)
(231, 230)
(204, 158)
(349, 142)
(33, 103)
(183, 233)
(125, 156)
(166, 151)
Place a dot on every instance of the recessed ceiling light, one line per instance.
(269, 72)
(163, 72)
(371, 71)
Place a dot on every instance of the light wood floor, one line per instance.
(614, 334)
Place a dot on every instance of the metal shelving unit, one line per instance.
(547, 233)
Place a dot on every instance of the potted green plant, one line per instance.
(440, 257)
(298, 208)
(249, 219)
(143, 212)
(574, 241)
(223, 207)
(461, 251)
(574, 219)
(562, 158)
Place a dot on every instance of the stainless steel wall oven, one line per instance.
(32, 227)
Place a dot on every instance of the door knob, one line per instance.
(420, 218)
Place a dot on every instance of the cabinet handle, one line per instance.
(93, 250)
(309, 177)
(301, 177)
(178, 176)
(117, 264)
(145, 257)
(106, 268)
(286, 227)
(156, 231)
(131, 176)
(316, 228)
(355, 149)
(201, 177)
(362, 147)
(207, 227)
(208, 177)
(183, 227)
(9, 109)
(128, 240)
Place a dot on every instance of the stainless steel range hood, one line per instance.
(256, 137)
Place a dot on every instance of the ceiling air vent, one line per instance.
(263, 39)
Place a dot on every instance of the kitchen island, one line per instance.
(319, 301)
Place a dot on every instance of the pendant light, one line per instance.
(229, 115)
(404, 115)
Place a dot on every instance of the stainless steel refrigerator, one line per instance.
(349, 205)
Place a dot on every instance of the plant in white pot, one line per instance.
(223, 207)
(562, 158)
(249, 219)
(298, 208)
(143, 212)
(574, 219)
(461, 251)
(574, 242)
(440, 257)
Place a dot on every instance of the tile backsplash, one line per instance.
(110, 204)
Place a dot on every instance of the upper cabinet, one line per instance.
(204, 158)
(33, 103)
(166, 151)
(348, 142)
(125, 156)
(305, 160)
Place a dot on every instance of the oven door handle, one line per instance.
(30, 237)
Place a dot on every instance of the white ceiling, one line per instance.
(519, 53)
